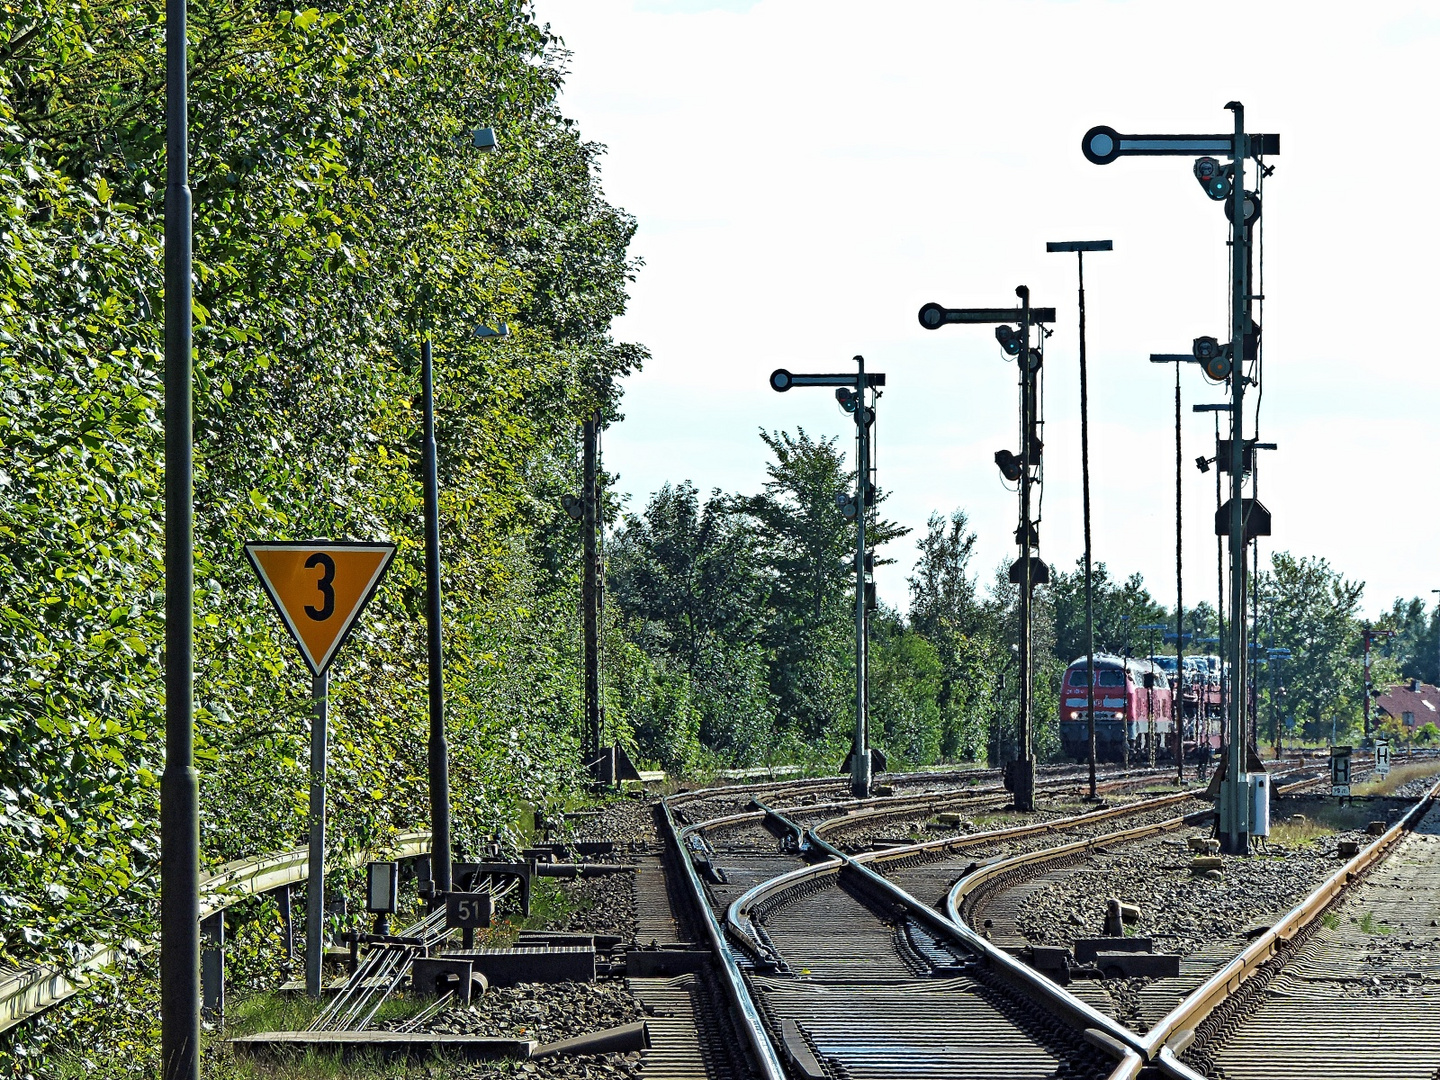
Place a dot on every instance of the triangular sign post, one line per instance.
(319, 587)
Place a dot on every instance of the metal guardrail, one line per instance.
(30, 991)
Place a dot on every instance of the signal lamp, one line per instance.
(1213, 357)
(846, 503)
(847, 398)
(1252, 208)
(1215, 179)
(1009, 340)
(1010, 466)
(573, 506)
(1202, 463)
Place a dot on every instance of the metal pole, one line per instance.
(1085, 489)
(439, 756)
(860, 753)
(1024, 788)
(1274, 718)
(179, 785)
(590, 591)
(1220, 599)
(1178, 715)
(315, 890)
(1437, 638)
(1234, 805)
(1365, 636)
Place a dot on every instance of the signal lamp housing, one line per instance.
(1202, 463)
(1011, 466)
(849, 400)
(573, 506)
(1216, 180)
(1213, 357)
(1009, 340)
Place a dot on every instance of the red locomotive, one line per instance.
(1135, 707)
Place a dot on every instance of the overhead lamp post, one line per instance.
(179, 784)
(1079, 247)
(1023, 467)
(438, 755)
(850, 391)
(1177, 359)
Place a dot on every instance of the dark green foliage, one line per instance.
(809, 548)
(1309, 608)
(340, 214)
(1120, 610)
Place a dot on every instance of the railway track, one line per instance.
(835, 963)
(836, 972)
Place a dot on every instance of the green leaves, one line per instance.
(335, 216)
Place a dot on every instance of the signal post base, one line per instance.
(1020, 782)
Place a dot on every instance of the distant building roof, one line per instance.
(1420, 700)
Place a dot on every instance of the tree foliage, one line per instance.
(341, 214)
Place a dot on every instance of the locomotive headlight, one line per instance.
(1074, 715)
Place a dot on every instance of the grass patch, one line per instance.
(1329, 920)
(1299, 833)
(1400, 775)
(1370, 925)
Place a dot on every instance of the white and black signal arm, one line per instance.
(934, 316)
(782, 380)
(1103, 145)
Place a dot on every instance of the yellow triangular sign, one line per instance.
(320, 587)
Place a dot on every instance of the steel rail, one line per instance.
(1094, 1026)
(1176, 1030)
(747, 1015)
(969, 883)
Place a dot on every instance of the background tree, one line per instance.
(1121, 608)
(690, 582)
(1311, 610)
(809, 549)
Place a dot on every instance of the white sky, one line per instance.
(807, 173)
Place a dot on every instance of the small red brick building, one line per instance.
(1413, 703)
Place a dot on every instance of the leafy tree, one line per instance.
(1413, 648)
(1120, 609)
(689, 578)
(341, 215)
(1310, 609)
(808, 547)
(905, 678)
(946, 610)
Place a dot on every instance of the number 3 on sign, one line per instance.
(319, 588)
